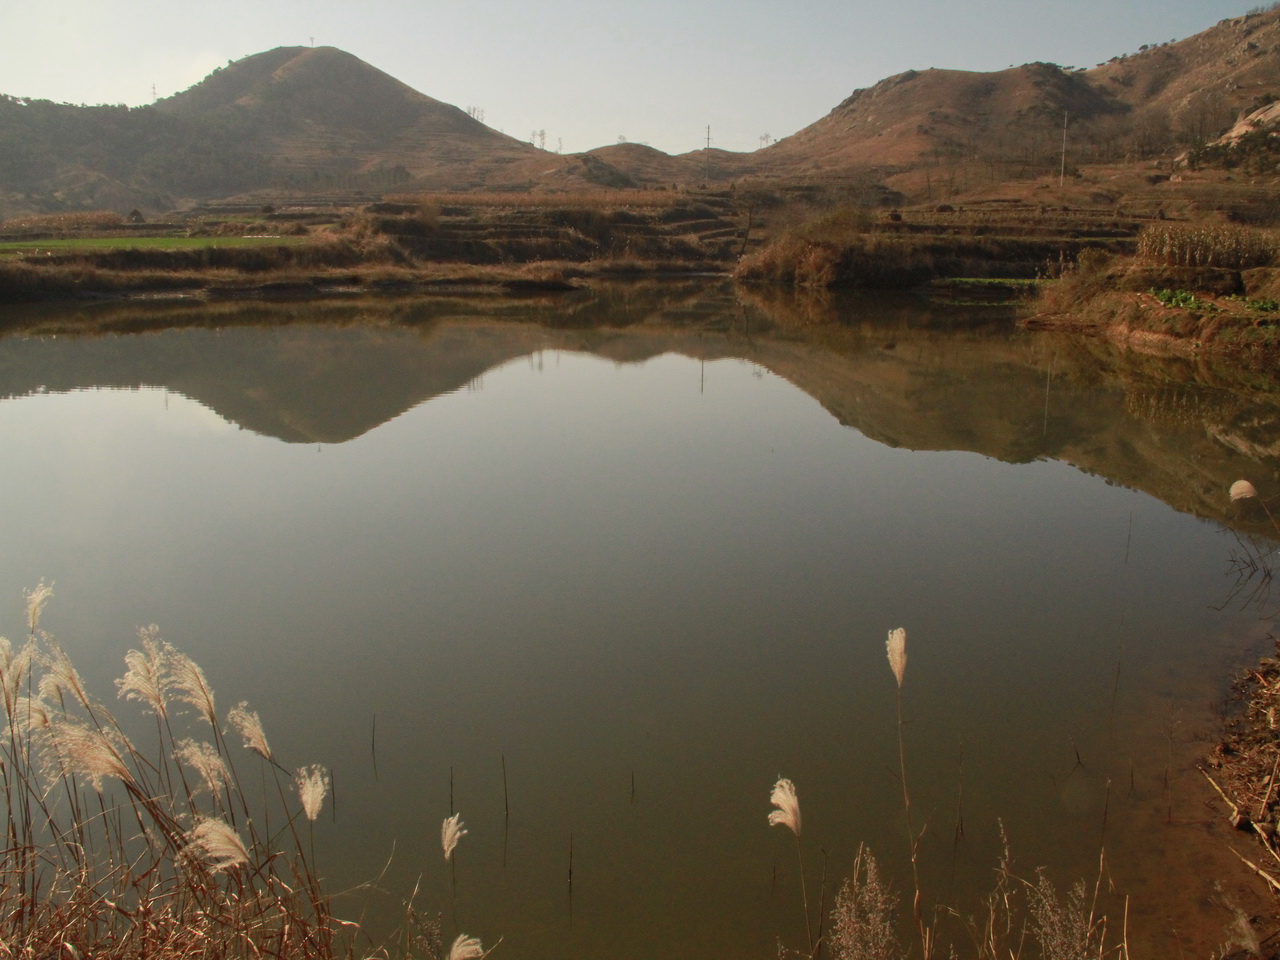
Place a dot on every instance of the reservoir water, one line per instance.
(595, 572)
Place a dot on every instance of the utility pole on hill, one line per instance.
(706, 166)
(1062, 172)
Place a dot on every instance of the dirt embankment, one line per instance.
(1185, 290)
(407, 245)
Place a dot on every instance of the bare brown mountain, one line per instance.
(930, 114)
(1195, 88)
(319, 114)
(319, 119)
(1164, 96)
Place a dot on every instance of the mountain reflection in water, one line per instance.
(898, 370)
(671, 573)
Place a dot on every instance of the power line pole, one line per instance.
(706, 168)
(1062, 173)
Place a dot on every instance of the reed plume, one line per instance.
(466, 948)
(36, 599)
(131, 868)
(215, 844)
(73, 748)
(451, 831)
(146, 677)
(187, 681)
(249, 726)
(205, 760)
(783, 796)
(15, 666)
(61, 679)
(28, 715)
(897, 648)
(788, 813)
(313, 787)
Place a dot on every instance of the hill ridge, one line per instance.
(319, 118)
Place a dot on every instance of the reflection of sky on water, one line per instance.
(673, 571)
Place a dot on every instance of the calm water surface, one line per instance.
(651, 569)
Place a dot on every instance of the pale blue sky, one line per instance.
(656, 72)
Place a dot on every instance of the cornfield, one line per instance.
(1230, 247)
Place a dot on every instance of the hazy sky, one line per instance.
(656, 72)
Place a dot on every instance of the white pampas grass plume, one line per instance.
(313, 787)
(205, 760)
(36, 599)
(897, 647)
(466, 948)
(1243, 490)
(249, 726)
(28, 715)
(451, 831)
(146, 676)
(187, 680)
(14, 667)
(215, 844)
(788, 813)
(61, 678)
(84, 751)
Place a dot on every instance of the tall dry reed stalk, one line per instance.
(896, 647)
(783, 796)
(114, 852)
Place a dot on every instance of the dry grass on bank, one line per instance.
(116, 851)
(856, 247)
(76, 222)
(1188, 287)
(895, 261)
(601, 200)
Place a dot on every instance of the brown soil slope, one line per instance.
(1198, 86)
(323, 110)
(1141, 104)
(935, 113)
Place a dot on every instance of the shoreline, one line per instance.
(377, 281)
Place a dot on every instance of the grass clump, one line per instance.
(1014, 914)
(114, 851)
(851, 249)
(864, 917)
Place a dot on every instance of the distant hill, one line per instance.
(1164, 97)
(934, 114)
(317, 115)
(293, 117)
(318, 120)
